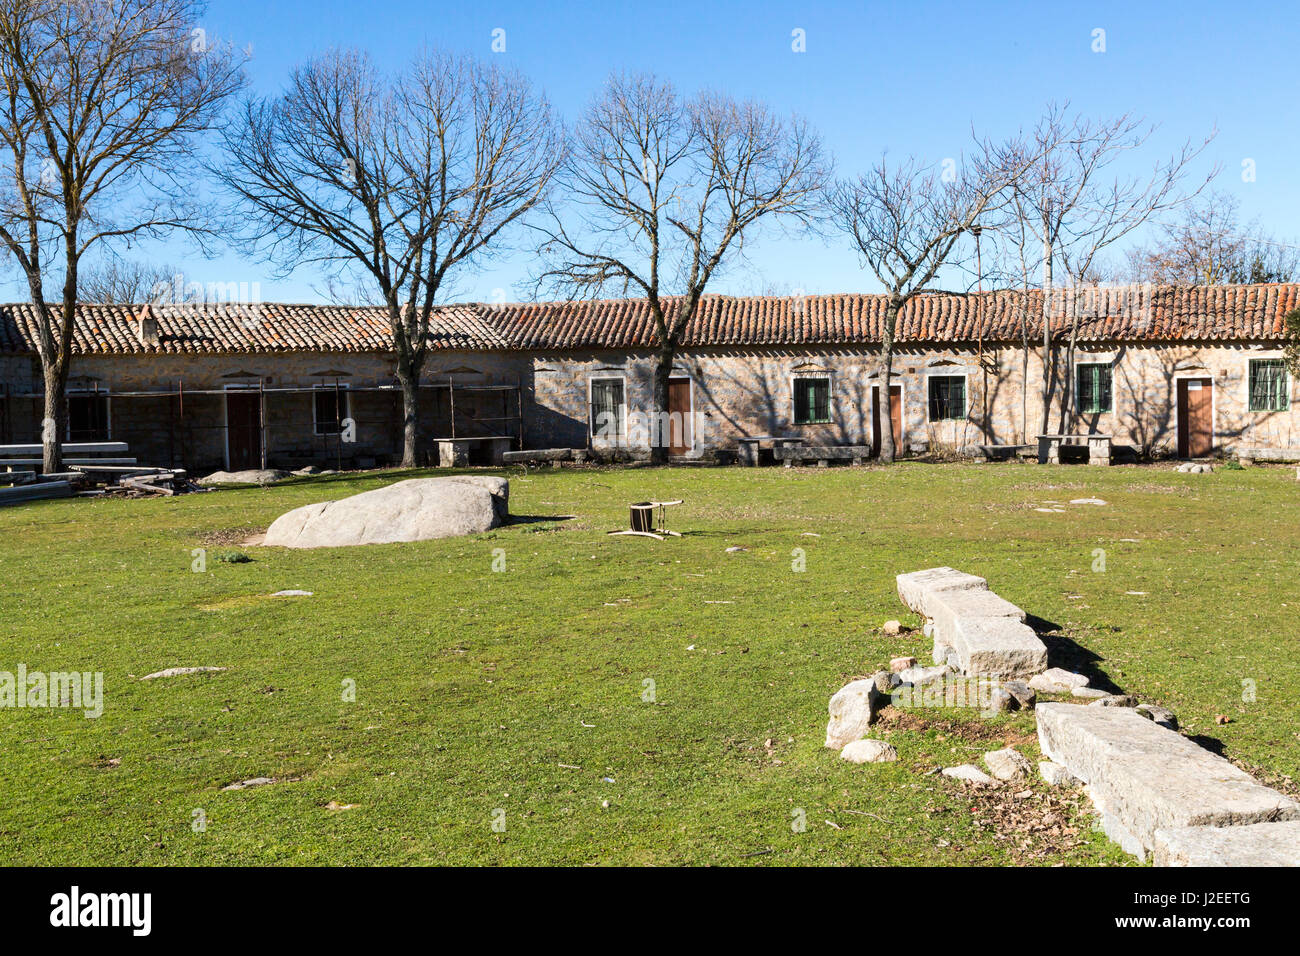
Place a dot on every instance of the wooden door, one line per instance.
(243, 430)
(1195, 417)
(680, 438)
(895, 416)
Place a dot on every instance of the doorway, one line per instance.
(680, 437)
(243, 429)
(895, 416)
(1195, 417)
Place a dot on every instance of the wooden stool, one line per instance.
(648, 519)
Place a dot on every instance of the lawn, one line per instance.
(617, 700)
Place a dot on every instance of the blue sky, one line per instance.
(908, 77)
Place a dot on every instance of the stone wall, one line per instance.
(739, 393)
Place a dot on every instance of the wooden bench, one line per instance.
(1098, 446)
(823, 455)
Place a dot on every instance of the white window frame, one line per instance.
(830, 397)
(93, 393)
(1290, 394)
(965, 376)
(1078, 365)
(347, 408)
(621, 437)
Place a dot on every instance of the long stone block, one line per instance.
(1255, 844)
(996, 647)
(919, 588)
(1144, 777)
(537, 454)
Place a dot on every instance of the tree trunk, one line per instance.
(887, 450)
(660, 430)
(54, 421)
(1047, 335)
(408, 376)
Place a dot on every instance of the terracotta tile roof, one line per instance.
(1121, 314)
(264, 327)
(1166, 314)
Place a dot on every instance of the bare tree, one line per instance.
(906, 221)
(397, 182)
(115, 281)
(103, 105)
(663, 192)
(1071, 200)
(1209, 245)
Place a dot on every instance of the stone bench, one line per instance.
(823, 455)
(1003, 452)
(1269, 454)
(1049, 448)
(539, 456)
(1143, 777)
(973, 629)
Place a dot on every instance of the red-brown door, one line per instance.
(244, 430)
(895, 416)
(1195, 417)
(679, 416)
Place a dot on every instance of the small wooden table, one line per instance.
(1099, 448)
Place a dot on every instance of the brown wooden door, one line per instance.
(895, 415)
(244, 429)
(1195, 417)
(679, 416)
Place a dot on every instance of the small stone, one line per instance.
(292, 593)
(892, 628)
(1092, 692)
(1008, 764)
(180, 671)
(1222, 719)
(854, 707)
(924, 676)
(1024, 794)
(901, 663)
(1163, 717)
(245, 784)
(869, 751)
(1087, 501)
(1023, 694)
(1055, 775)
(969, 773)
(1114, 700)
(1056, 680)
(1000, 699)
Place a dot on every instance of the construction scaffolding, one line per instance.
(326, 444)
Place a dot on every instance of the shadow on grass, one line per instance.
(1069, 655)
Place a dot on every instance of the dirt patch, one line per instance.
(228, 536)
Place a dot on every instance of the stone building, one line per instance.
(1189, 372)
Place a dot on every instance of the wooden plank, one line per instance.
(24, 493)
(10, 462)
(69, 448)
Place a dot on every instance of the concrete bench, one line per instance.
(455, 452)
(1049, 448)
(823, 455)
(1003, 452)
(1143, 777)
(536, 456)
(1269, 454)
(973, 629)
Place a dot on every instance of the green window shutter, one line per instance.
(812, 401)
(1269, 386)
(1094, 388)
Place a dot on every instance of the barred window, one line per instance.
(88, 417)
(812, 400)
(1270, 386)
(330, 409)
(607, 408)
(1095, 388)
(947, 397)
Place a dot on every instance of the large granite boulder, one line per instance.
(253, 476)
(413, 510)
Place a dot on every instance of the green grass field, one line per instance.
(519, 697)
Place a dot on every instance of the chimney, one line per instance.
(146, 328)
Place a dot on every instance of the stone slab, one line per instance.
(1255, 844)
(537, 454)
(1144, 777)
(997, 647)
(919, 587)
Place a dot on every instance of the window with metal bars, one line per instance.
(88, 417)
(1094, 388)
(607, 408)
(1270, 386)
(812, 400)
(330, 410)
(947, 397)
